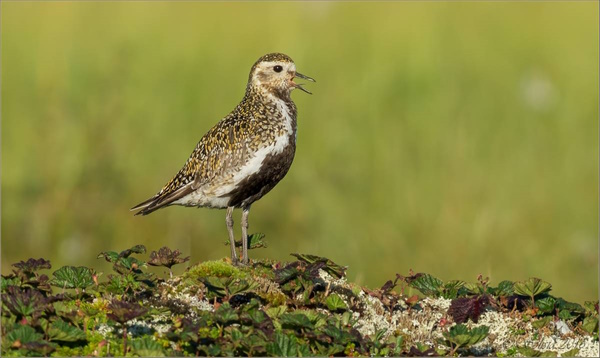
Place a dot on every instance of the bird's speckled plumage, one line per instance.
(245, 154)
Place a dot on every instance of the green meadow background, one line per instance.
(450, 138)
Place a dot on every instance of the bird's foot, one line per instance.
(242, 263)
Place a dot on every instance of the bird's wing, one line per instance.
(217, 153)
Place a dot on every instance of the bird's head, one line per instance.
(275, 73)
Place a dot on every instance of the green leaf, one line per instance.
(255, 241)
(532, 287)
(214, 282)
(478, 334)
(460, 336)
(427, 284)
(379, 335)
(316, 318)
(422, 347)
(287, 273)
(226, 314)
(398, 345)
(473, 288)
(541, 322)
(528, 352)
(591, 308)
(89, 309)
(23, 334)
(73, 277)
(212, 350)
(255, 343)
(236, 286)
(346, 318)
(545, 305)
(339, 336)
(571, 307)
(62, 331)
(128, 264)
(303, 350)
(571, 353)
(565, 315)
(42, 348)
(328, 350)
(295, 321)
(256, 315)
(138, 249)
(450, 289)
(274, 312)
(334, 302)
(253, 304)
(512, 351)
(236, 335)
(122, 263)
(6, 282)
(109, 256)
(147, 347)
(283, 346)
(505, 288)
(590, 324)
(215, 285)
(121, 283)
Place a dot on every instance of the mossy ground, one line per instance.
(301, 308)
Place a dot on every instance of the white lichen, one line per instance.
(428, 320)
(160, 324)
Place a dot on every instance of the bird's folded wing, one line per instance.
(216, 155)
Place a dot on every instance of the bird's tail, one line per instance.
(146, 207)
(162, 199)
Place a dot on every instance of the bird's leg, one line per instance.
(245, 212)
(229, 222)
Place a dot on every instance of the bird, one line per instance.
(243, 156)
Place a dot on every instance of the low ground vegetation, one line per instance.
(300, 308)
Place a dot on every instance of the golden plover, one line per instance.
(245, 154)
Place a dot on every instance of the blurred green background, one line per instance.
(450, 138)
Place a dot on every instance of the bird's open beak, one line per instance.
(304, 77)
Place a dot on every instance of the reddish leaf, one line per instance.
(463, 308)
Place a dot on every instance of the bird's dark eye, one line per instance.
(277, 68)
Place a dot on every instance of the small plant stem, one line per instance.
(124, 340)
(170, 272)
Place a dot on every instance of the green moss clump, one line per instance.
(214, 268)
